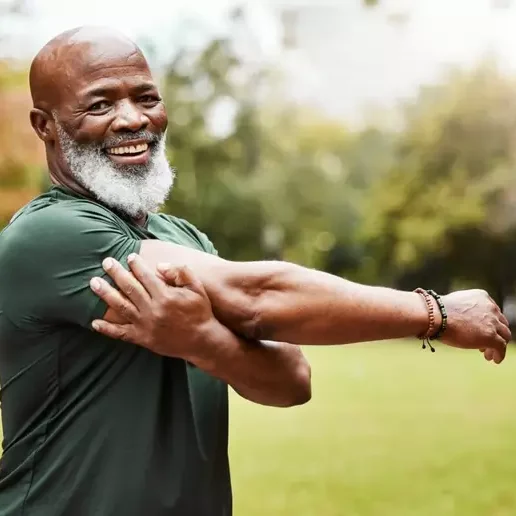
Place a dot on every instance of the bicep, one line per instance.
(233, 287)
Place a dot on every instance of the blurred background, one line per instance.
(371, 139)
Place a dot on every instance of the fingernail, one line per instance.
(107, 264)
(163, 267)
(130, 258)
(95, 284)
(95, 325)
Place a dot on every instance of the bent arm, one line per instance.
(288, 303)
(268, 373)
(179, 322)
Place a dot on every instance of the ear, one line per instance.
(43, 124)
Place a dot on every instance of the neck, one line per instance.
(61, 177)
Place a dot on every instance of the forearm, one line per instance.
(288, 303)
(269, 373)
(305, 306)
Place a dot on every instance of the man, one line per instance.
(99, 426)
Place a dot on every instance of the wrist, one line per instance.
(442, 315)
(203, 350)
(437, 316)
(431, 321)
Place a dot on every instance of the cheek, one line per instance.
(158, 118)
(91, 129)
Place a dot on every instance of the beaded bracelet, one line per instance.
(425, 337)
(430, 335)
(444, 316)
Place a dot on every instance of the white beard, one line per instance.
(134, 190)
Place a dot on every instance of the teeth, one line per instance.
(133, 149)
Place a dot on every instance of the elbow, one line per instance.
(255, 325)
(265, 302)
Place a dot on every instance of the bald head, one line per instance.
(76, 54)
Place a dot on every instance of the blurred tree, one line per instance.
(263, 178)
(212, 186)
(449, 198)
(21, 155)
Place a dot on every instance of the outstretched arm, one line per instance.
(286, 302)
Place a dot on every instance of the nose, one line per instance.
(129, 118)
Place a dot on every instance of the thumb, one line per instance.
(181, 277)
(187, 279)
(168, 273)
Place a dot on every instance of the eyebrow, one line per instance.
(105, 91)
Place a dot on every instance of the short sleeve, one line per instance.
(48, 257)
(202, 239)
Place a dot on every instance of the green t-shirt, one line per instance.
(94, 426)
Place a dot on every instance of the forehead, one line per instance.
(97, 69)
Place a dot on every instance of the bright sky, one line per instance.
(157, 20)
(349, 56)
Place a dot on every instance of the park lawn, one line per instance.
(391, 430)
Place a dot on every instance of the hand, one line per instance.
(163, 317)
(476, 322)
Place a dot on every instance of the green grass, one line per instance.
(391, 430)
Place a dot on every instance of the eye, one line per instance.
(102, 105)
(150, 100)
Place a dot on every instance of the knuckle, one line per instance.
(170, 298)
(127, 311)
(160, 312)
(172, 271)
(124, 335)
(490, 331)
(128, 290)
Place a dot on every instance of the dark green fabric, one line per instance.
(94, 426)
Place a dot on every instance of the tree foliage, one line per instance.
(450, 193)
(21, 155)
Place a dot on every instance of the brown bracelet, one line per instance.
(425, 337)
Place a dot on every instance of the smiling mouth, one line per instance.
(128, 150)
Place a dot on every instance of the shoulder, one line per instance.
(45, 228)
(46, 209)
(189, 229)
(42, 217)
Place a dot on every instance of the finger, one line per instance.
(504, 332)
(494, 302)
(126, 282)
(186, 278)
(498, 357)
(498, 310)
(504, 319)
(114, 331)
(499, 350)
(168, 273)
(114, 299)
(143, 273)
(180, 276)
(488, 354)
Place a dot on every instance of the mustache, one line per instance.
(120, 139)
